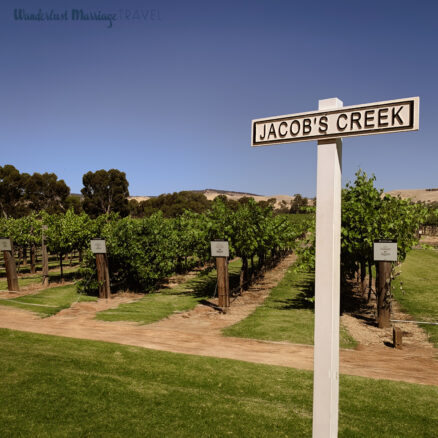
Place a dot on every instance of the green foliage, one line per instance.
(23, 193)
(105, 192)
(11, 192)
(143, 252)
(46, 192)
(171, 205)
(74, 202)
(306, 251)
(24, 231)
(298, 204)
(367, 215)
(432, 214)
(67, 232)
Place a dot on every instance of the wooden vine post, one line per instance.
(220, 250)
(98, 247)
(10, 266)
(385, 252)
(45, 257)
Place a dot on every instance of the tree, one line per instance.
(298, 203)
(105, 192)
(11, 192)
(25, 233)
(173, 205)
(46, 192)
(67, 232)
(74, 202)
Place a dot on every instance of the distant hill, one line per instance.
(422, 195)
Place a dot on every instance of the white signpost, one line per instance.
(328, 125)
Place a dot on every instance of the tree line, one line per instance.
(21, 194)
(105, 192)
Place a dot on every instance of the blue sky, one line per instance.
(170, 100)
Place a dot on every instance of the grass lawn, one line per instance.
(159, 305)
(60, 387)
(70, 273)
(49, 301)
(286, 315)
(420, 283)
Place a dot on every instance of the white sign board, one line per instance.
(219, 248)
(373, 118)
(385, 250)
(5, 244)
(98, 246)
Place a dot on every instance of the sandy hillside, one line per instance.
(139, 198)
(211, 194)
(423, 195)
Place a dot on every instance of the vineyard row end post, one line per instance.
(98, 247)
(45, 257)
(7, 247)
(220, 250)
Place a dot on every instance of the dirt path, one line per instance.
(198, 332)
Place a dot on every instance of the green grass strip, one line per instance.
(161, 304)
(49, 301)
(287, 314)
(419, 277)
(70, 273)
(60, 387)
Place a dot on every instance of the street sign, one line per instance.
(219, 248)
(98, 246)
(385, 250)
(329, 125)
(372, 118)
(5, 244)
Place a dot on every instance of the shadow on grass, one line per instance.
(304, 299)
(350, 302)
(68, 276)
(355, 304)
(204, 285)
(25, 269)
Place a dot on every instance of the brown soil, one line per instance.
(429, 240)
(198, 332)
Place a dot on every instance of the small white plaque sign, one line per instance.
(219, 248)
(385, 250)
(5, 244)
(98, 246)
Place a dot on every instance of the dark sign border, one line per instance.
(339, 135)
